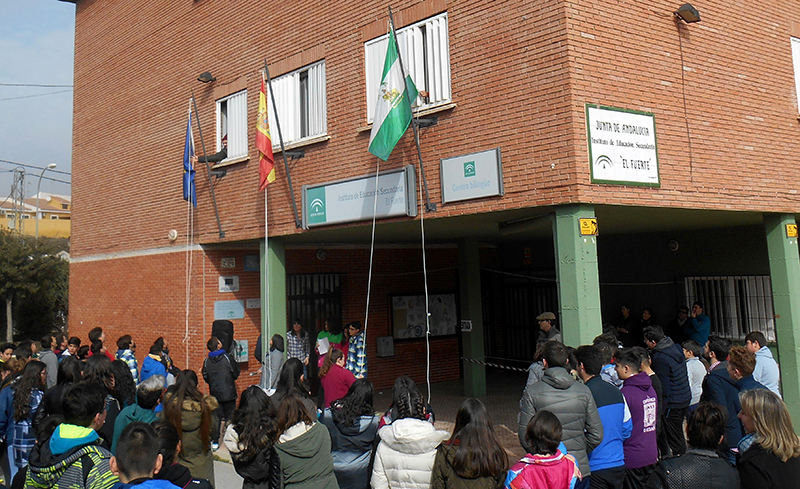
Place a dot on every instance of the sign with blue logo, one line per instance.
(355, 199)
(472, 176)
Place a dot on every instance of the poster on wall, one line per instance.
(622, 146)
(240, 350)
(229, 309)
(408, 315)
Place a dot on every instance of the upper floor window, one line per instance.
(796, 62)
(425, 51)
(232, 123)
(65, 206)
(302, 104)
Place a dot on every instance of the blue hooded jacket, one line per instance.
(617, 425)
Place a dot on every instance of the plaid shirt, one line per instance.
(297, 347)
(357, 356)
(24, 435)
(128, 357)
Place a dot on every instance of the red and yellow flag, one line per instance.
(266, 160)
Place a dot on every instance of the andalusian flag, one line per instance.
(266, 160)
(393, 109)
(189, 192)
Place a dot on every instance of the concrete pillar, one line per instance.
(784, 270)
(469, 278)
(273, 299)
(578, 278)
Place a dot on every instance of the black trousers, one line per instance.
(673, 430)
(636, 478)
(608, 478)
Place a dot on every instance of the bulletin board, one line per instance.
(408, 315)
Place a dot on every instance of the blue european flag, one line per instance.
(188, 170)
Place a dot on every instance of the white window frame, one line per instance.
(736, 304)
(302, 101)
(796, 63)
(232, 121)
(425, 51)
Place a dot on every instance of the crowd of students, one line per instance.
(598, 416)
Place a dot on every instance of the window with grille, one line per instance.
(736, 305)
(425, 51)
(302, 105)
(796, 62)
(232, 122)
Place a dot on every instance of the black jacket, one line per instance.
(761, 469)
(720, 388)
(669, 364)
(220, 372)
(262, 472)
(693, 470)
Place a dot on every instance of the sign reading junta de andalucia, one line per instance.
(622, 146)
(354, 199)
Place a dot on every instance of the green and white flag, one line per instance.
(393, 109)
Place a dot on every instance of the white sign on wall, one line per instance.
(622, 146)
(229, 283)
(472, 176)
(354, 199)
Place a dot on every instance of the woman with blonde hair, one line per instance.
(769, 453)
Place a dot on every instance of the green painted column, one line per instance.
(578, 278)
(273, 273)
(784, 271)
(469, 278)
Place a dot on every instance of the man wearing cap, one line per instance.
(548, 332)
(219, 156)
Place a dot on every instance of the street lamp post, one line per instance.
(39, 186)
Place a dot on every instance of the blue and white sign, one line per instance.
(472, 176)
(229, 309)
(354, 199)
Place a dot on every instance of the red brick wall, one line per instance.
(145, 297)
(521, 75)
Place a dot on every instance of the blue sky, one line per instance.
(36, 47)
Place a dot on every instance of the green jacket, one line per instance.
(127, 416)
(306, 460)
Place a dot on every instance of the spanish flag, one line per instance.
(266, 160)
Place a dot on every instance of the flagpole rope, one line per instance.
(371, 249)
(425, 280)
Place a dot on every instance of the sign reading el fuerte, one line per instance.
(622, 146)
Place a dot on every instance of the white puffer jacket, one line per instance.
(405, 455)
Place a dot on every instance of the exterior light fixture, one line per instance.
(688, 13)
(206, 77)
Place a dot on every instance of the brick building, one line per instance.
(677, 137)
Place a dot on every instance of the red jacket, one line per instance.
(336, 383)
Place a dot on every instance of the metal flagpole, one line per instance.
(208, 168)
(280, 140)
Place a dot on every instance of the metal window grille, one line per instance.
(735, 304)
(425, 49)
(302, 104)
(232, 121)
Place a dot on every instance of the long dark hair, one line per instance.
(333, 356)
(289, 382)
(255, 422)
(407, 401)
(30, 379)
(479, 453)
(186, 388)
(168, 438)
(356, 403)
(124, 387)
(291, 412)
(277, 343)
(69, 371)
(98, 370)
